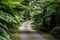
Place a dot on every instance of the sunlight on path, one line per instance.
(27, 33)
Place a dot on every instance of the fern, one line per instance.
(2, 38)
(5, 34)
(9, 17)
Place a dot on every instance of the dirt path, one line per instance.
(27, 33)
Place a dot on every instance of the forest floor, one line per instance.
(27, 33)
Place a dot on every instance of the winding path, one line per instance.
(27, 33)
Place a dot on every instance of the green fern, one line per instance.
(2, 38)
(5, 34)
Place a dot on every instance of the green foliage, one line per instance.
(14, 12)
(45, 17)
(10, 18)
(4, 34)
(2, 38)
(56, 32)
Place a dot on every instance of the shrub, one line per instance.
(56, 32)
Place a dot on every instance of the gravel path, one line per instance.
(27, 33)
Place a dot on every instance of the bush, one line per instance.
(56, 32)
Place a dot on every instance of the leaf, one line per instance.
(2, 38)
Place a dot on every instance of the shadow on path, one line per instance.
(29, 32)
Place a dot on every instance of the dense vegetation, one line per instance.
(10, 17)
(45, 14)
